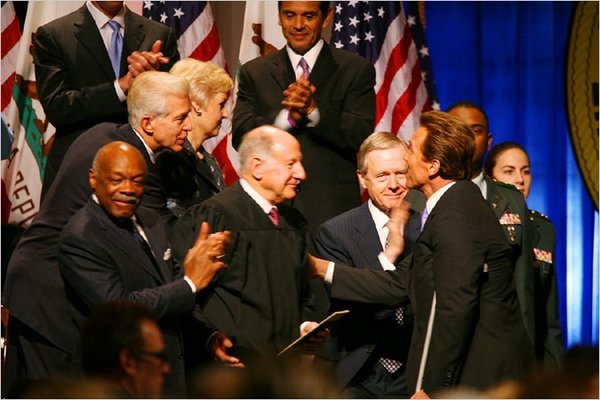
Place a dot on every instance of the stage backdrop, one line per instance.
(511, 58)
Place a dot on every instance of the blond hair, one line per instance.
(205, 79)
(377, 141)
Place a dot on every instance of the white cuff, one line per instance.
(281, 121)
(313, 118)
(385, 263)
(122, 97)
(329, 274)
(189, 282)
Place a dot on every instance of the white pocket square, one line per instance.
(167, 254)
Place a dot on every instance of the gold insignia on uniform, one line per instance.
(510, 219)
(543, 255)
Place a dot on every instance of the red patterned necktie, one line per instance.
(274, 216)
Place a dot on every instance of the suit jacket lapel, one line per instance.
(203, 172)
(124, 242)
(366, 237)
(89, 37)
(155, 234)
(324, 67)
(134, 35)
(282, 71)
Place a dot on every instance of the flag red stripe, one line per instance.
(220, 153)
(398, 57)
(209, 47)
(10, 37)
(7, 87)
(406, 102)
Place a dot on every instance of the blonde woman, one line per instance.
(193, 175)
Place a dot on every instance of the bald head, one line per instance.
(117, 178)
(271, 161)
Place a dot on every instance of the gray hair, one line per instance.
(149, 92)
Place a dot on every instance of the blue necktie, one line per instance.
(116, 47)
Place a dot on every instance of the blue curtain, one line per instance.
(510, 58)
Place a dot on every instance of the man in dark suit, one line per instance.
(111, 249)
(329, 106)
(77, 84)
(468, 330)
(42, 335)
(368, 348)
(510, 208)
(262, 299)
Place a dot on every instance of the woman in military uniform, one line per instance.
(509, 162)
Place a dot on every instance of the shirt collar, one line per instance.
(101, 19)
(263, 203)
(148, 149)
(310, 56)
(435, 197)
(379, 217)
(481, 183)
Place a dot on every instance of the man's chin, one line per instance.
(176, 147)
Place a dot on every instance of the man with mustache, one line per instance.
(42, 335)
(111, 249)
(261, 300)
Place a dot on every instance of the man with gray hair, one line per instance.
(368, 348)
(42, 336)
(260, 301)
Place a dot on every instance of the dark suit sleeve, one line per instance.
(328, 247)
(96, 279)
(458, 257)
(245, 115)
(57, 94)
(368, 286)
(345, 123)
(170, 50)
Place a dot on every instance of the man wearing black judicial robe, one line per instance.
(262, 298)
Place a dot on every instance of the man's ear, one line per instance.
(489, 141)
(434, 167)
(92, 179)
(328, 17)
(146, 124)
(361, 180)
(257, 167)
(128, 362)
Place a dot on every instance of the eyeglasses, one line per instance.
(160, 355)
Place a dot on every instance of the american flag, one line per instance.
(11, 35)
(197, 37)
(395, 44)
